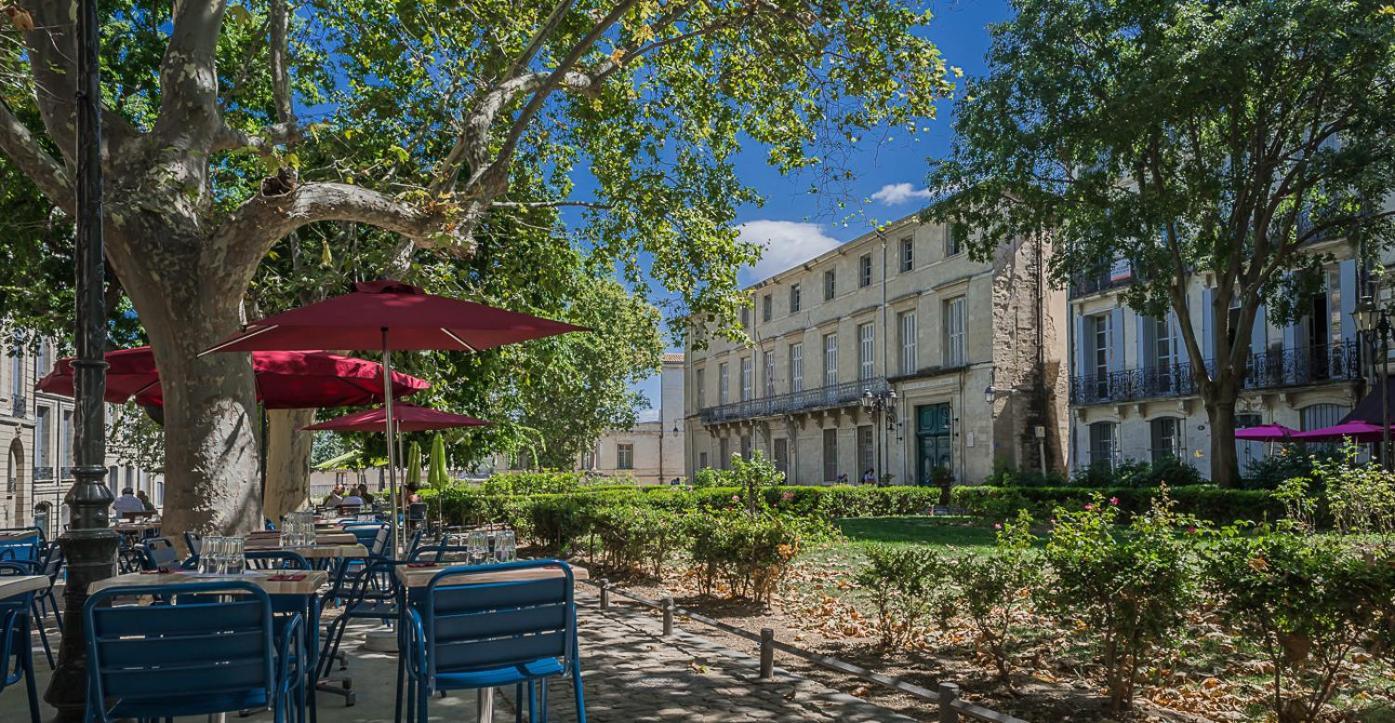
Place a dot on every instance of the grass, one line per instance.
(938, 531)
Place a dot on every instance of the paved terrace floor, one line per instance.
(630, 674)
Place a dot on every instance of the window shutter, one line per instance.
(1116, 339)
(1347, 270)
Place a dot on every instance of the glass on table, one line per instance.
(478, 547)
(505, 546)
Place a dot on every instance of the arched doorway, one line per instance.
(15, 487)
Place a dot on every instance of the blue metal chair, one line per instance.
(159, 553)
(201, 655)
(15, 646)
(370, 594)
(25, 548)
(463, 635)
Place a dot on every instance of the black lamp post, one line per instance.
(89, 544)
(1374, 322)
(879, 403)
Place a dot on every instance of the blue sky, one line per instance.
(796, 225)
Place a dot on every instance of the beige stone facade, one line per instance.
(894, 352)
(36, 429)
(1132, 393)
(650, 452)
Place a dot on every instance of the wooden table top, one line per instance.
(416, 577)
(321, 538)
(307, 585)
(319, 551)
(12, 585)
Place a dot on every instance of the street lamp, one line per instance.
(879, 403)
(1374, 324)
(89, 545)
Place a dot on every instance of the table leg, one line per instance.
(485, 701)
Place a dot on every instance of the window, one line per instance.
(745, 318)
(1100, 337)
(745, 446)
(43, 445)
(905, 321)
(830, 359)
(723, 453)
(1159, 340)
(1166, 436)
(624, 456)
(766, 307)
(702, 460)
(796, 367)
(43, 365)
(955, 238)
(866, 351)
(722, 380)
(1318, 416)
(955, 353)
(864, 270)
(907, 254)
(65, 443)
(770, 373)
(747, 378)
(865, 460)
(782, 455)
(700, 381)
(830, 285)
(1248, 452)
(17, 377)
(830, 455)
(1103, 444)
(794, 298)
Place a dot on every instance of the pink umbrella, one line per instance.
(406, 417)
(1265, 433)
(1356, 429)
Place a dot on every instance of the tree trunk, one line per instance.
(210, 412)
(1225, 464)
(287, 461)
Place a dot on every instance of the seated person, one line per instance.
(351, 501)
(336, 497)
(362, 493)
(128, 503)
(145, 500)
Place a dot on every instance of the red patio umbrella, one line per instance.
(1265, 433)
(1357, 430)
(391, 316)
(284, 379)
(407, 418)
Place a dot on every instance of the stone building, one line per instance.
(896, 353)
(1132, 392)
(36, 429)
(652, 451)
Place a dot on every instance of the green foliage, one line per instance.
(1288, 461)
(1308, 600)
(635, 538)
(904, 583)
(1169, 471)
(709, 477)
(531, 483)
(755, 478)
(994, 587)
(748, 553)
(1128, 588)
(1206, 502)
(1360, 496)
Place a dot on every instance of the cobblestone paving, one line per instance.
(630, 674)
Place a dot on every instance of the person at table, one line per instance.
(336, 497)
(362, 493)
(128, 503)
(145, 500)
(353, 500)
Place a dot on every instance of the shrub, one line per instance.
(993, 586)
(1291, 460)
(1206, 502)
(531, 483)
(634, 538)
(750, 553)
(1169, 471)
(1307, 599)
(902, 582)
(1360, 497)
(1129, 588)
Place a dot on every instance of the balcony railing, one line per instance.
(43, 474)
(68, 472)
(836, 395)
(20, 407)
(1264, 370)
(1091, 283)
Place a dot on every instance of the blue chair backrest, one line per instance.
(480, 625)
(204, 645)
(276, 560)
(160, 554)
(366, 532)
(23, 548)
(194, 542)
(13, 612)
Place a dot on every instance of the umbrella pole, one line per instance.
(391, 431)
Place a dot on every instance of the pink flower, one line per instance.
(997, 525)
(1114, 501)
(1191, 530)
(787, 496)
(735, 498)
(1089, 506)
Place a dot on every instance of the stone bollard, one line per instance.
(668, 615)
(605, 593)
(949, 692)
(767, 654)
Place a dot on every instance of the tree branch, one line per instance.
(266, 218)
(277, 134)
(43, 169)
(280, 57)
(189, 116)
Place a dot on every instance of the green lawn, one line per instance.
(939, 531)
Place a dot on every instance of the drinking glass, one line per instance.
(236, 562)
(505, 546)
(478, 546)
(212, 554)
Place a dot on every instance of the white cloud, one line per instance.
(895, 194)
(785, 244)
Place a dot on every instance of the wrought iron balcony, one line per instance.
(807, 400)
(1102, 280)
(1265, 370)
(21, 406)
(43, 474)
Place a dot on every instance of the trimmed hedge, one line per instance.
(555, 518)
